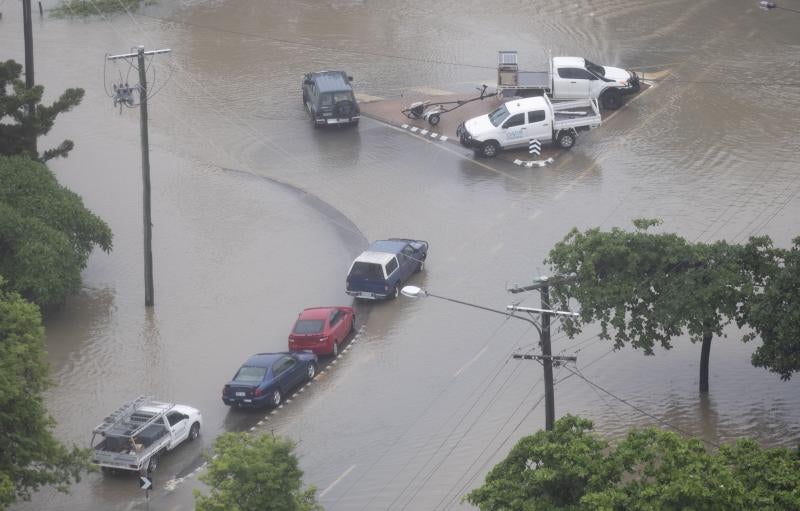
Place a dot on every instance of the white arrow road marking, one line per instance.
(337, 481)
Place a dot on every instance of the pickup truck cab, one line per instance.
(567, 78)
(516, 122)
(134, 436)
(381, 270)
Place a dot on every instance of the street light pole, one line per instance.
(546, 357)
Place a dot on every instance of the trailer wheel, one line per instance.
(566, 139)
(611, 99)
(489, 149)
(433, 119)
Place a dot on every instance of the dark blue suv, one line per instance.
(381, 270)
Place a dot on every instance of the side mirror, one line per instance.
(349, 78)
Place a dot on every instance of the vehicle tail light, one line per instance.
(226, 390)
(386, 287)
(258, 392)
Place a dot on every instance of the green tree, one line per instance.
(773, 311)
(572, 468)
(30, 456)
(651, 287)
(19, 136)
(254, 473)
(46, 233)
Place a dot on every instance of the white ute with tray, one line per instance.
(516, 122)
(134, 436)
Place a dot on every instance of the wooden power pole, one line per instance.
(149, 298)
(546, 358)
(29, 83)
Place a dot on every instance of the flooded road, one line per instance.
(257, 216)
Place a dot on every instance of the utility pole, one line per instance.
(546, 358)
(28, 34)
(148, 225)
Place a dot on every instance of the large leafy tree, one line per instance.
(254, 473)
(573, 468)
(19, 136)
(46, 233)
(773, 312)
(649, 288)
(30, 456)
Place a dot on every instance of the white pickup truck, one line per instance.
(567, 78)
(137, 433)
(516, 122)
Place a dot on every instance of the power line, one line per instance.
(633, 406)
(494, 374)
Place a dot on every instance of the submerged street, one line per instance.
(257, 216)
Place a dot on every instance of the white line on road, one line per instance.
(476, 357)
(337, 481)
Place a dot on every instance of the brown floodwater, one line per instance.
(256, 216)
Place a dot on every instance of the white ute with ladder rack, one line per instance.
(134, 435)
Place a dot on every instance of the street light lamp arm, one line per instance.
(496, 311)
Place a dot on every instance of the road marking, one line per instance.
(414, 129)
(423, 132)
(472, 361)
(337, 481)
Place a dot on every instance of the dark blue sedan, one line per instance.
(266, 377)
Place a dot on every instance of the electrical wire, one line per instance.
(413, 423)
(638, 409)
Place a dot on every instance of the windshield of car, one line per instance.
(367, 271)
(331, 98)
(498, 116)
(594, 68)
(308, 326)
(250, 374)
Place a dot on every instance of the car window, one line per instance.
(282, 365)
(498, 116)
(594, 68)
(309, 326)
(391, 266)
(582, 74)
(174, 418)
(515, 120)
(250, 374)
(367, 271)
(536, 116)
(335, 317)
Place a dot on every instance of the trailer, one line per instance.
(134, 436)
(433, 111)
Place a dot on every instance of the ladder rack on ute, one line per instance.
(121, 413)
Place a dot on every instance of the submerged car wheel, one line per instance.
(396, 292)
(276, 398)
(194, 432)
(312, 370)
(566, 139)
(490, 149)
(335, 350)
(611, 99)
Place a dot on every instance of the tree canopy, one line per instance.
(46, 233)
(573, 468)
(647, 288)
(19, 136)
(254, 473)
(30, 456)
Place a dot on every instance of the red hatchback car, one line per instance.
(322, 329)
